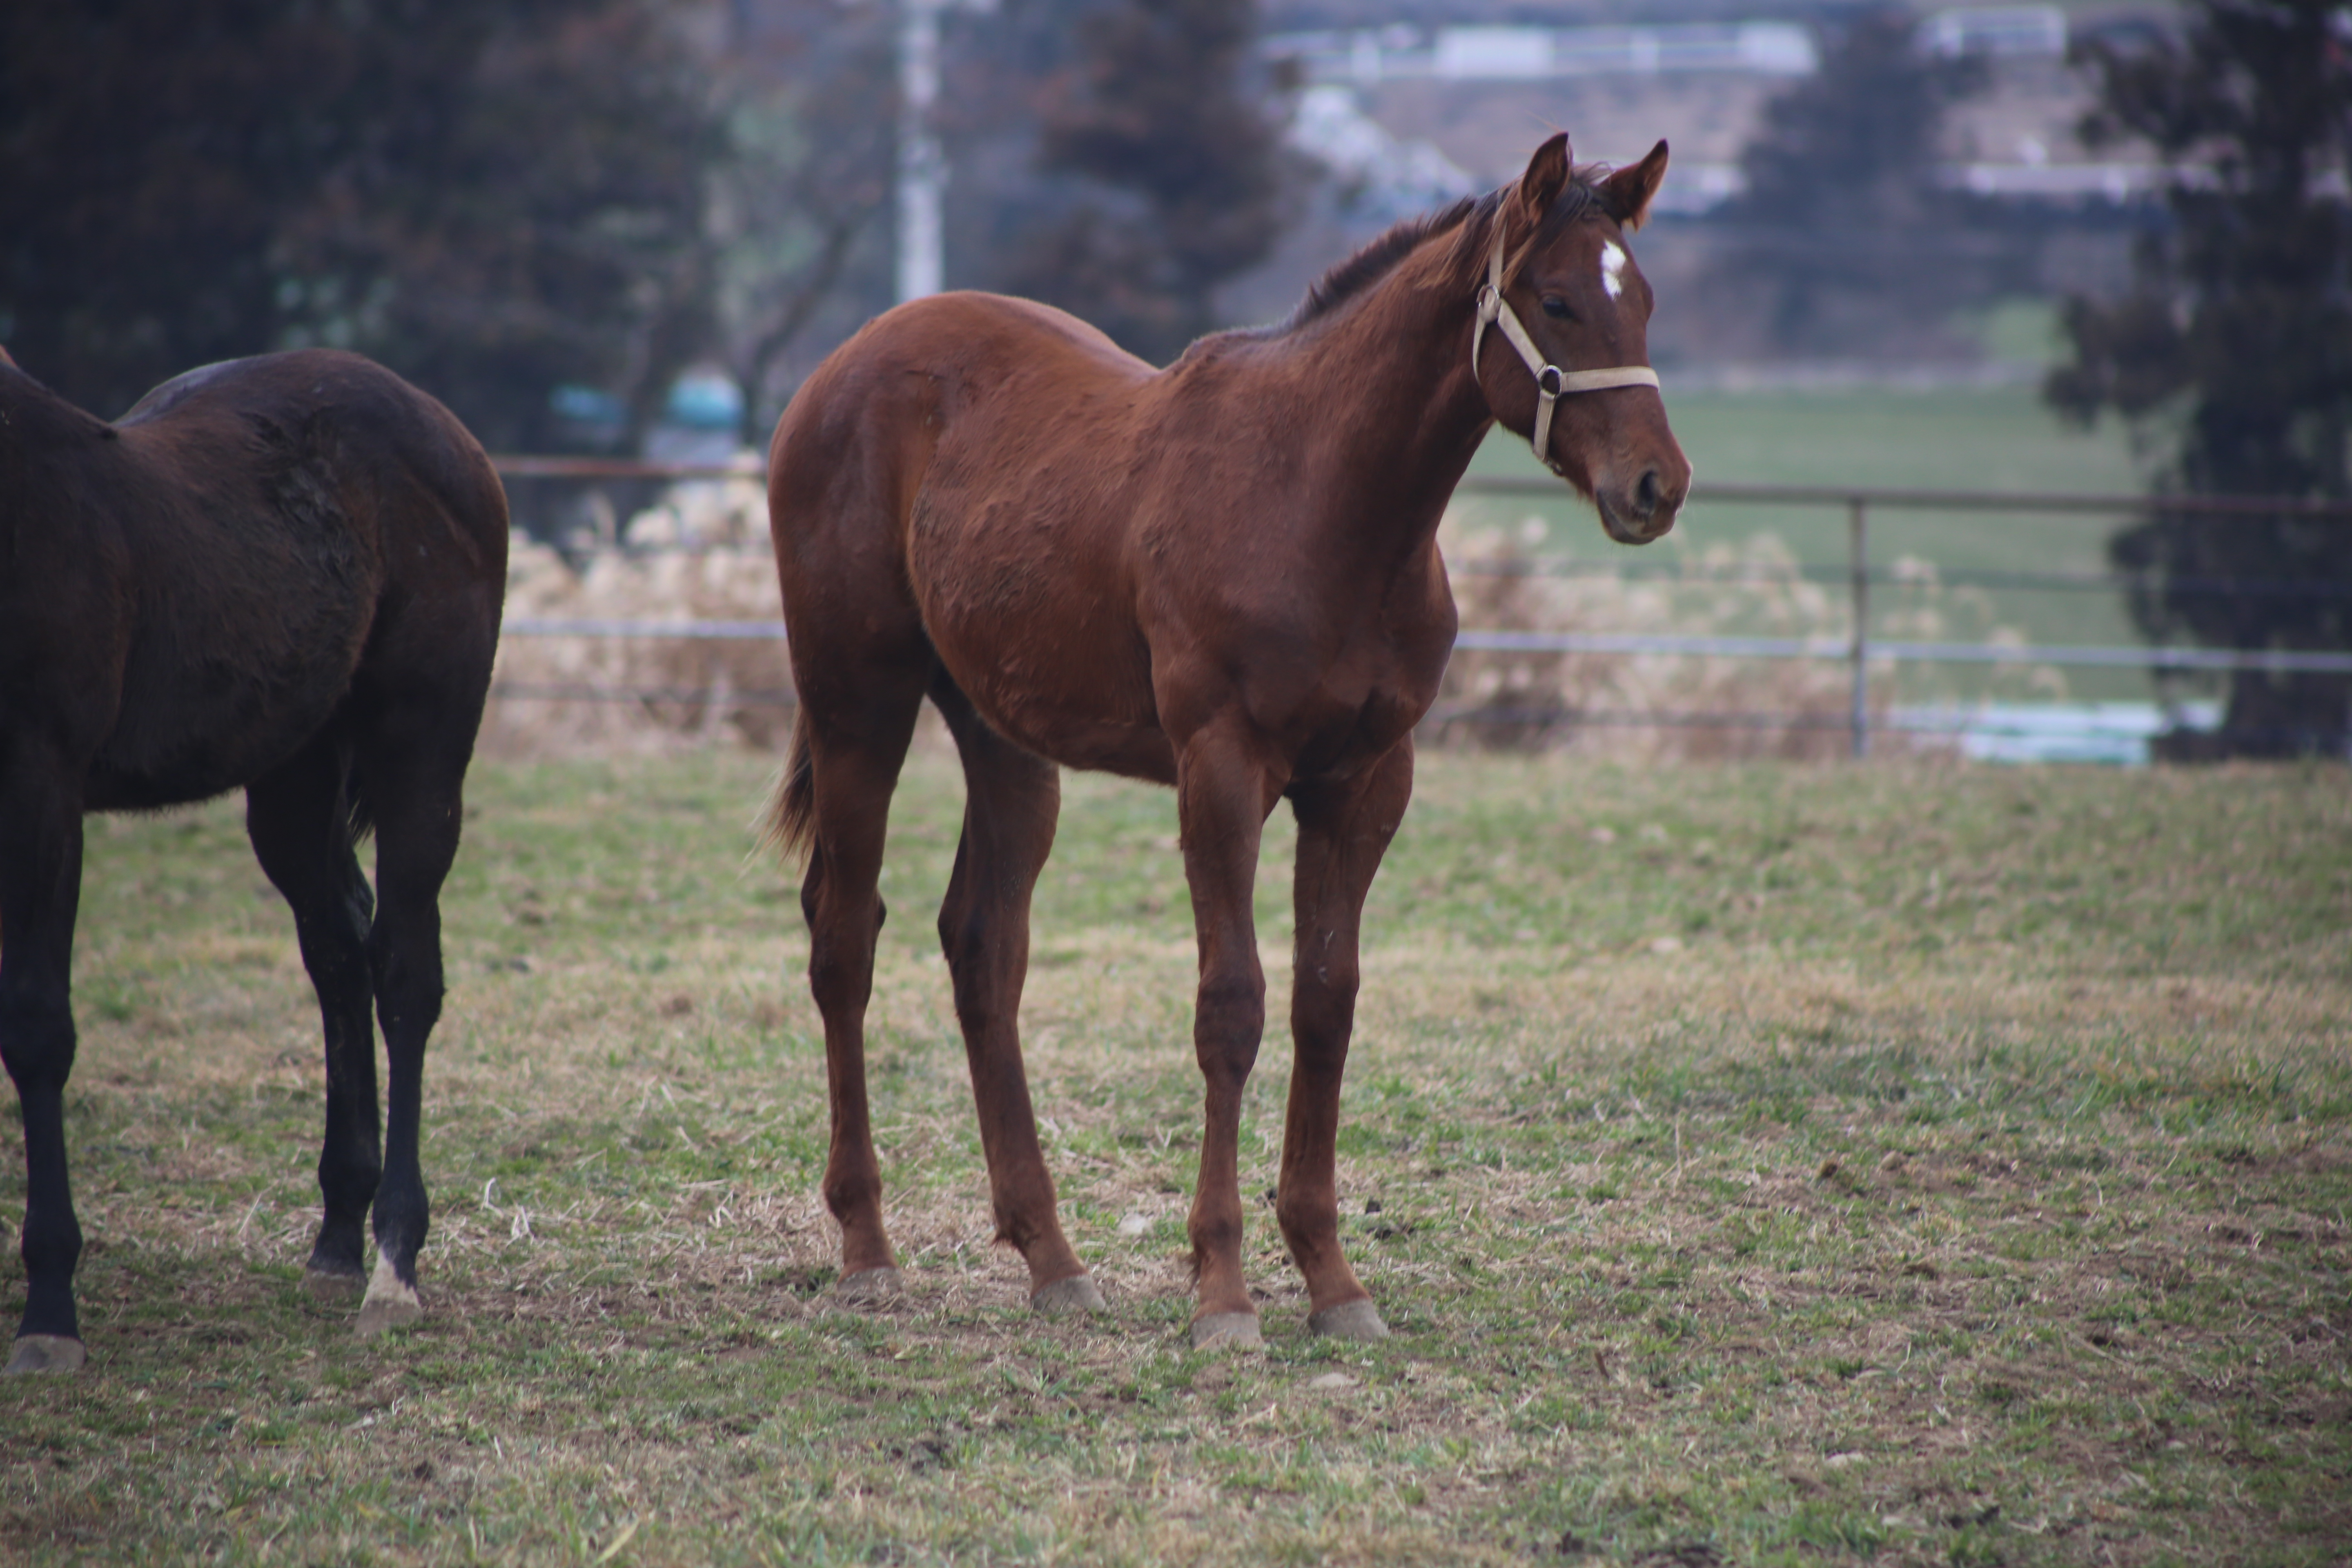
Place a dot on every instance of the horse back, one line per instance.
(257, 544)
(988, 383)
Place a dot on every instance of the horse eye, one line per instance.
(1553, 305)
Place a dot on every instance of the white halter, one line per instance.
(1550, 379)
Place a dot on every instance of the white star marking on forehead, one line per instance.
(1612, 262)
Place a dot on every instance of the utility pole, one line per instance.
(922, 166)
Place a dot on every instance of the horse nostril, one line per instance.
(1645, 493)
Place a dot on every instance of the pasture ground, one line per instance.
(1770, 1164)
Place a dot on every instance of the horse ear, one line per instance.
(1547, 175)
(1629, 190)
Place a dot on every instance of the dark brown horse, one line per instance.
(1223, 577)
(283, 574)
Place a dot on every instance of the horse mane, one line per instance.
(1470, 217)
(1379, 256)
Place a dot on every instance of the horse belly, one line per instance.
(1073, 706)
(1081, 702)
(1035, 629)
(210, 730)
(217, 740)
(223, 686)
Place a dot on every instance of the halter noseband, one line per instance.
(1550, 379)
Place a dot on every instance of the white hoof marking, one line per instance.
(391, 1303)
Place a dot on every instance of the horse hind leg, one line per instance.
(299, 819)
(849, 743)
(410, 777)
(1011, 803)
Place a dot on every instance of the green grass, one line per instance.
(1758, 1165)
(2000, 439)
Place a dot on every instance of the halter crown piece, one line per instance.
(1550, 379)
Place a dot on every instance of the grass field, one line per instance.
(1758, 1165)
(1999, 439)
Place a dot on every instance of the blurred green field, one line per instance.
(1998, 438)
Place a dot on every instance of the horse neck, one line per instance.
(1404, 414)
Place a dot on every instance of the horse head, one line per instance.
(1562, 288)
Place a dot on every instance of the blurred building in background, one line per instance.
(1398, 107)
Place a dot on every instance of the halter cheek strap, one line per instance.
(1551, 381)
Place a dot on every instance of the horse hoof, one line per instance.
(1349, 1320)
(47, 1352)
(1078, 1293)
(333, 1286)
(392, 1302)
(871, 1285)
(1227, 1331)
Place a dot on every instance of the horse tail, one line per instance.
(353, 809)
(791, 826)
(359, 816)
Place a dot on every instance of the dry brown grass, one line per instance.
(704, 556)
(701, 555)
(1658, 707)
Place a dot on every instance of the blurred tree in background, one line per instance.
(1159, 140)
(2237, 342)
(495, 199)
(801, 194)
(1845, 240)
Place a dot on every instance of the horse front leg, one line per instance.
(1223, 795)
(40, 888)
(1344, 829)
(853, 771)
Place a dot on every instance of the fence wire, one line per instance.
(1858, 575)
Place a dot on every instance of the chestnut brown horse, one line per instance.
(284, 574)
(1221, 576)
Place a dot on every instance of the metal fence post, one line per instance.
(1858, 521)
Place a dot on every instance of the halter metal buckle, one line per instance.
(1551, 382)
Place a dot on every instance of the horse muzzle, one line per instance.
(1646, 509)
